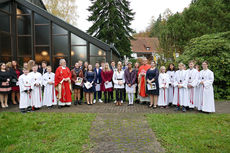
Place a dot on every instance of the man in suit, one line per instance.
(43, 70)
(97, 70)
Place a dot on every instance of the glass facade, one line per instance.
(32, 33)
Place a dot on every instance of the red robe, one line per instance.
(106, 76)
(60, 74)
(142, 80)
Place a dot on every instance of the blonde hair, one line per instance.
(30, 64)
(119, 66)
(49, 67)
(8, 65)
(181, 64)
(161, 68)
(107, 65)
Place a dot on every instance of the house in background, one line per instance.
(145, 47)
(28, 31)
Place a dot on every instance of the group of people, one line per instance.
(35, 87)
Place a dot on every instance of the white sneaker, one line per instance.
(115, 102)
(94, 101)
(100, 101)
(122, 101)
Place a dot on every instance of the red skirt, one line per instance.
(15, 88)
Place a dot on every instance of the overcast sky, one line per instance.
(144, 9)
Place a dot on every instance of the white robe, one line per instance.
(36, 91)
(207, 103)
(180, 95)
(24, 84)
(192, 77)
(171, 87)
(49, 97)
(198, 94)
(163, 92)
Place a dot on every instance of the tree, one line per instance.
(64, 9)
(215, 49)
(111, 23)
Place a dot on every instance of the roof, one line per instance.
(140, 44)
(68, 26)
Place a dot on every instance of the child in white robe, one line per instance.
(192, 77)
(36, 84)
(25, 91)
(171, 72)
(181, 92)
(49, 98)
(207, 103)
(163, 85)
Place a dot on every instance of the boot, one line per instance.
(75, 103)
(79, 102)
(117, 103)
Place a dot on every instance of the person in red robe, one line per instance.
(142, 81)
(63, 84)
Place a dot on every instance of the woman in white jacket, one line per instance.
(119, 81)
(206, 79)
(163, 85)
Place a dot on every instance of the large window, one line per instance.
(5, 45)
(5, 35)
(42, 54)
(5, 6)
(41, 34)
(78, 53)
(24, 46)
(96, 54)
(75, 40)
(5, 22)
(60, 41)
(24, 37)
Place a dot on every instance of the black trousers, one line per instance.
(81, 93)
(119, 93)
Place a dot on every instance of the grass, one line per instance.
(45, 132)
(192, 133)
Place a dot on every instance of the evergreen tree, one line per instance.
(111, 23)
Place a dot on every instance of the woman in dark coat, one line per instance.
(152, 85)
(5, 88)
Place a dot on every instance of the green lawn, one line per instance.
(192, 133)
(44, 132)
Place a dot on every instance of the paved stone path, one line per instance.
(221, 107)
(123, 132)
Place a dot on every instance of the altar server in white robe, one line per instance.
(49, 98)
(25, 91)
(207, 94)
(36, 82)
(181, 91)
(192, 77)
(198, 90)
(171, 72)
(163, 85)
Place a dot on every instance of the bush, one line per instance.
(215, 48)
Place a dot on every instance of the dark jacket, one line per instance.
(98, 75)
(41, 70)
(130, 77)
